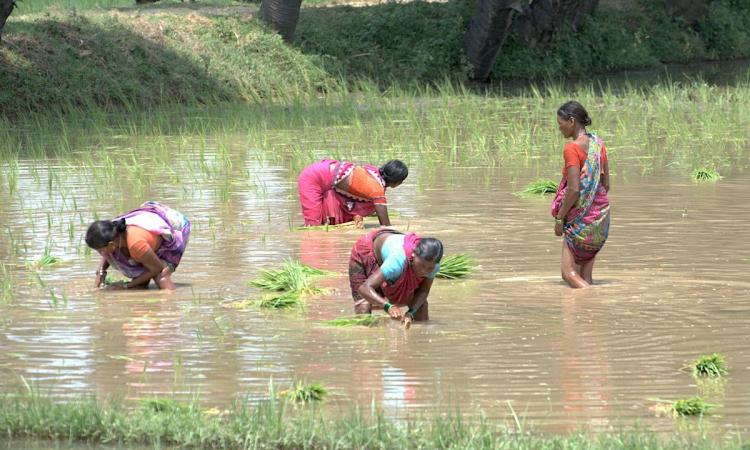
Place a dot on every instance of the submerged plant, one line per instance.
(163, 405)
(542, 186)
(694, 406)
(294, 276)
(705, 174)
(364, 320)
(713, 366)
(456, 266)
(339, 226)
(305, 393)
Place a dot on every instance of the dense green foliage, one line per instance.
(170, 52)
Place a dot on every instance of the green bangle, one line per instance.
(387, 306)
(411, 312)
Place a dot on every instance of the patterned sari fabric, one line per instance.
(364, 262)
(587, 222)
(171, 225)
(322, 203)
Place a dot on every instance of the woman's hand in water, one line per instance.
(395, 312)
(101, 276)
(119, 286)
(359, 222)
(406, 320)
(164, 280)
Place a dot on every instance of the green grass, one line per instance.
(706, 175)
(542, 186)
(273, 425)
(694, 406)
(456, 266)
(305, 393)
(293, 276)
(363, 320)
(712, 366)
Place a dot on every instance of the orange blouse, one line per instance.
(139, 242)
(574, 156)
(364, 187)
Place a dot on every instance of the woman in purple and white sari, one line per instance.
(144, 244)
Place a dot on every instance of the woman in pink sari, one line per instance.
(390, 270)
(333, 192)
(581, 206)
(144, 244)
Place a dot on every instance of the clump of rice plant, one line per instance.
(46, 260)
(112, 279)
(363, 320)
(713, 366)
(456, 266)
(294, 276)
(163, 405)
(286, 300)
(542, 186)
(704, 174)
(694, 406)
(305, 393)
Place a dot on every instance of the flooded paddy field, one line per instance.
(671, 283)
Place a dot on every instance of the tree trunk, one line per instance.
(541, 20)
(281, 15)
(486, 33)
(6, 7)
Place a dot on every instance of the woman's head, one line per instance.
(427, 254)
(102, 234)
(571, 117)
(394, 172)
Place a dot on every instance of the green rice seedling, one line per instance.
(286, 300)
(706, 175)
(542, 186)
(712, 366)
(46, 260)
(694, 406)
(456, 266)
(305, 393)
(294, 276)
(112, 279)
(6, 284)
(363, 320)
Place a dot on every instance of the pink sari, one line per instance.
(587, 223)
(321, 204)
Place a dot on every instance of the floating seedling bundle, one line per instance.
(361, 320)
(294, 276)
(456, 266)
(542, 186)
(710, 366)
(305, 393)
(694, 406)
(704, 174)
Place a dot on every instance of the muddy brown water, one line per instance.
(672, 284)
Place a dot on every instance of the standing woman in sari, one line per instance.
(333, 192)
(581, 206)
(144, 244)
(390, 270)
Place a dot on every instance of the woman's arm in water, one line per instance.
(101, 272)
(382, 212)
(368, 290)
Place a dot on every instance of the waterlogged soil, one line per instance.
(512, 342)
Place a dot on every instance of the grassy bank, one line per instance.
(211, 52)
(275, 424)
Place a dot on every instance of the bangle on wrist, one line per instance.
(411, 312)
(101, 272)
(559, 220)
(387, 306)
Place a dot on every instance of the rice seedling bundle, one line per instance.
(45, 261)
(706, 175)
(286, 300)
(713, 366)
(294, 276)
(305, 393)
(364, 320)
(456, 266)
(340, 226)
(693, 406)
(542, 186)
